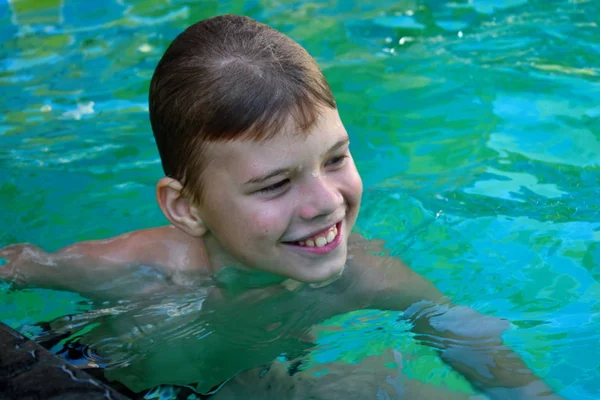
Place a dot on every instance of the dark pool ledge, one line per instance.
(29, 371)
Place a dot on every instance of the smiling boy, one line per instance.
(259, 181)
(285, 206)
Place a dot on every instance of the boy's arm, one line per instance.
(468, 341)
(124, 266)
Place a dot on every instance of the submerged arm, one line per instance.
(471, 344)
(468, 341)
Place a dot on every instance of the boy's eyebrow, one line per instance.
(281, 171)
(340, 143)
(268, 175)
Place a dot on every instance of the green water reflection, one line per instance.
(473, 123)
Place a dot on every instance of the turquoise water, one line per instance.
(474, 126)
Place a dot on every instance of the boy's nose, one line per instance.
(321, 198)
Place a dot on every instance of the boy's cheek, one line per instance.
(266, 223)
(354, 180)
(355, 187)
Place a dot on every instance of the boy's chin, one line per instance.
(318, 278)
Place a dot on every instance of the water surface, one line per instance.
(473, 123)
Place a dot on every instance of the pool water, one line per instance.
(475, 126)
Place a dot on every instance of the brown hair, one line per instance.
(229, 78)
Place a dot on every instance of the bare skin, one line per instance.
(280, 306)
(367, 380)
(81, 266)
(368, 282)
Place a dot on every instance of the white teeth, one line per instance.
(321, 241)
(330, 236)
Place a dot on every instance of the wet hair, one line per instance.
(229, 78)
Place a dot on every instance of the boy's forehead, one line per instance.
(326, 130)
(281, 145)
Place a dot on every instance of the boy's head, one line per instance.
(229, 78)
(256, 156)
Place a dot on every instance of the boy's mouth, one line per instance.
(322, 240)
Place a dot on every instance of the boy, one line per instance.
(262, 194)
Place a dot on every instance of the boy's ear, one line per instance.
(177, 208)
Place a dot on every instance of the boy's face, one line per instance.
(285, 205)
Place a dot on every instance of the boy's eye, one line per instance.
(279, 186)
(337, 161)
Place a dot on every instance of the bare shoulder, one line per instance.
(371, 260)
(385, 281)
(94, 268)
(166, 247)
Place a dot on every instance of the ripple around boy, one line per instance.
(259, 182)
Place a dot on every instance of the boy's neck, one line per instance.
(227, 272)
(224, 270)
(231, 276)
